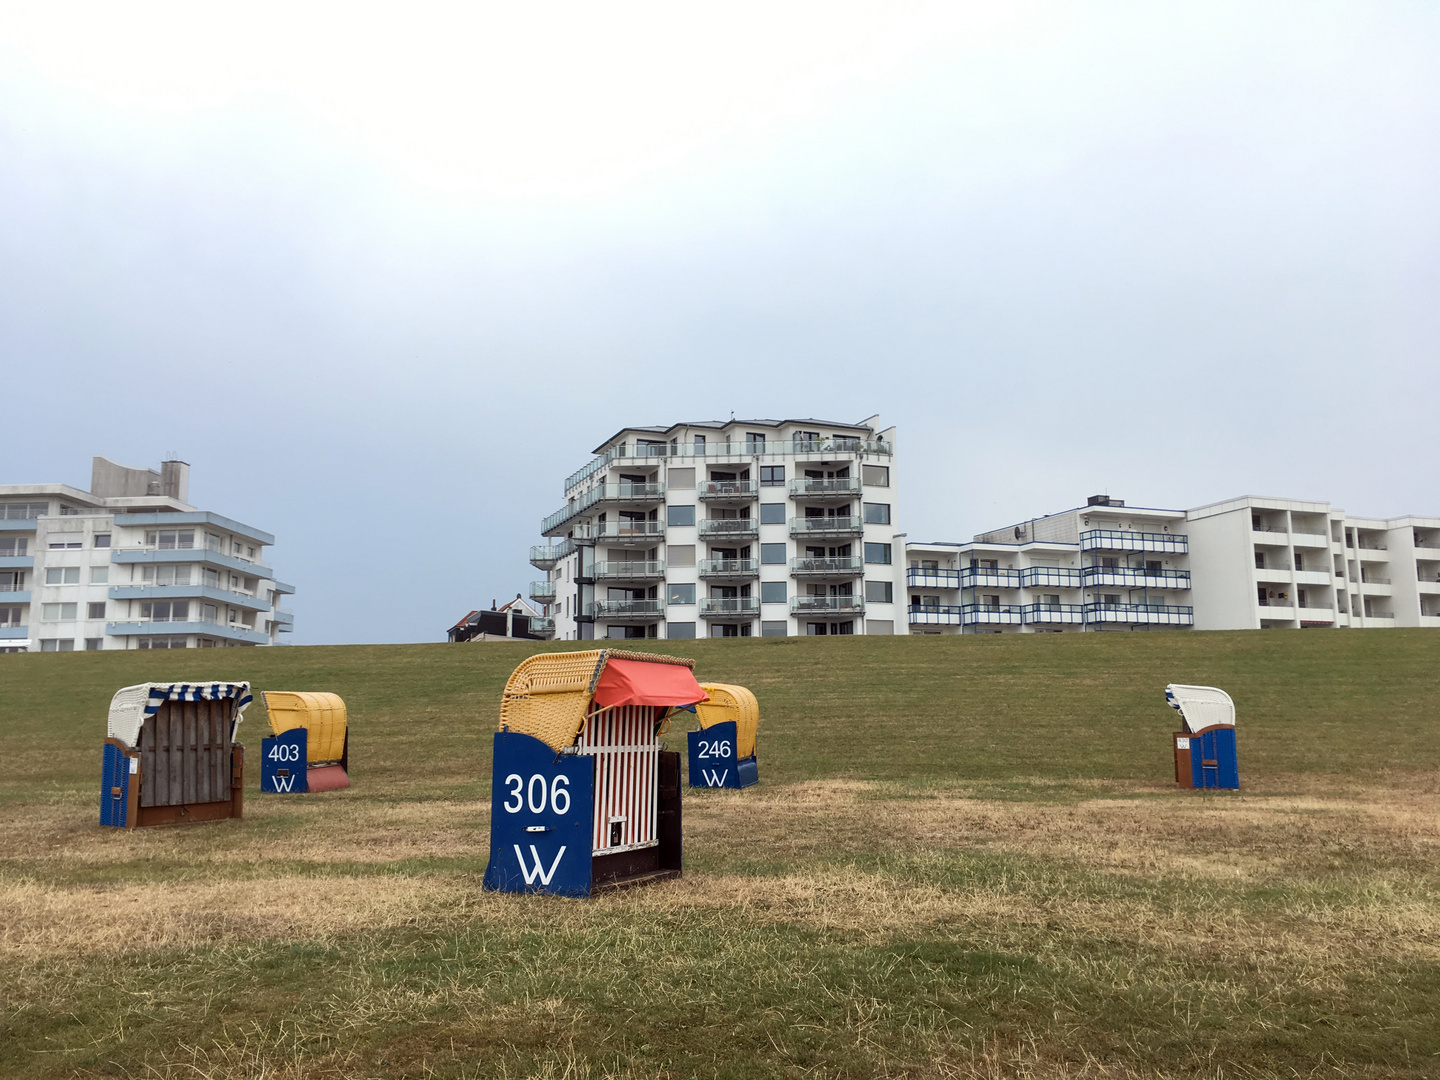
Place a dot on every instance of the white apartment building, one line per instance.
(1263, 562)
(1103, 566)
(727, 529)
(130, 564)
(1247, 563)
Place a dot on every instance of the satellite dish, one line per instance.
(1019, 532)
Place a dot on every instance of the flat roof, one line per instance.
(720, 425)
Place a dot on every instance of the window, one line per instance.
(773, 592)
(211, 578)
(57, 645)
(700, 445)
(62, 575)
(166, 611)
(212, 542)
(772, 476)
(680, 515)
(171, 539)
(166, 575)
(64, 545)
(99, 575)
(207, 613)
(19, 511)
(772, 513)
(102, 540)
(13, 545)
(1299, 561)
(96, 611)
(681, 478)
(249, 552)
(680, 594)
(57, 612)
(94, 644)
(162, 643)
(877, 513)
(1259, 560)
(875, 475)
(754, 442)
(678, 630)
(878, 554)
(772, 554)
(879, 626)
(10, 616)
(879, 592)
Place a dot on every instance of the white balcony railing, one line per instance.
(826, 526)
(828, 566)
(718, 607)
(729, 568)
(823, 605)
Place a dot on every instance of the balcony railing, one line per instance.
(748, 448)
(1137, 577)
(720, 607)
(542, 626)
(542, 592)
(1127, 540)
(826, 526)
(827, 566)
(729, 527)
(1058, 577)
(547, 556)
(729, 568)
(1371, 579)
(990, 615)
(807, 487)
(919, 577)
(1155, 614)
(620, 530)
(13, 586)
(1374, 547)
(621, 493)
(637, 570)
(827, 605)
(1035, 614)
(625, 609)
(728, 489)
(989, 577)
(934, 615)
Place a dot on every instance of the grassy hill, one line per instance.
(966, 856)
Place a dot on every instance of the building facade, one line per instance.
(1247, 563)
(130, 564)
(727, 529)
(1103, 566)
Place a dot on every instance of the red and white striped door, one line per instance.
(627, 758)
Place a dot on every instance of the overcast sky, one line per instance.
(385, 276)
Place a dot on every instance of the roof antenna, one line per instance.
(732, 415)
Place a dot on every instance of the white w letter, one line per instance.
(530, 874)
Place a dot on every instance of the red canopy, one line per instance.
(636, 682)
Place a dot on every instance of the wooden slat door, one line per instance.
(185, 754)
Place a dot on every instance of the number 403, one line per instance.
(537, 794)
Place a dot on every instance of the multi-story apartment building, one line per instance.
(1103, 566)
(1286, 563)
(1246, 563)
(130, 564)
(727, 529)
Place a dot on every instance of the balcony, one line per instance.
(148, 628)
(729, 528)
(541, 626)
(729, 568)
(247, 601)
(17, 562)
(815, 489)
(14, 633)
(932, 578)
(729, 607)
(626, 609)
(988, 615)
(1055, 577)
(1127, 540)
(989, 577)
(623, 531)
(284, 620)
(637, 570)
(826, 526)
(14, 594)
(1309, 540)
(548, 556)
(827, 605)
(828, 566)
(1052, 614)
(607, 493)
(542, 592)
(1136, 577)
(145, 554)
(832, 447)
(1314, 576)
(933, 615)
(1140, 614)
(728, 490)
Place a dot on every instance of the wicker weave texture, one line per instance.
(548, 694)
(736, 703)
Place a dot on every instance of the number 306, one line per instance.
(537, 794)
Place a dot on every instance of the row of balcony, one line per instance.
(733, 607)
(548, 556)
(843, 566)
(1034, 577)
(805, 487)
(1051, 614)
(750, 448)
(747, 528)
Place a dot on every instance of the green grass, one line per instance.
(966, 857)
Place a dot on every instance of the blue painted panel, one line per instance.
(1216, 745)
(542, 810)
(713, 763)
(1229, 763)
(114, 773)
(748, 772)
(283, 763)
